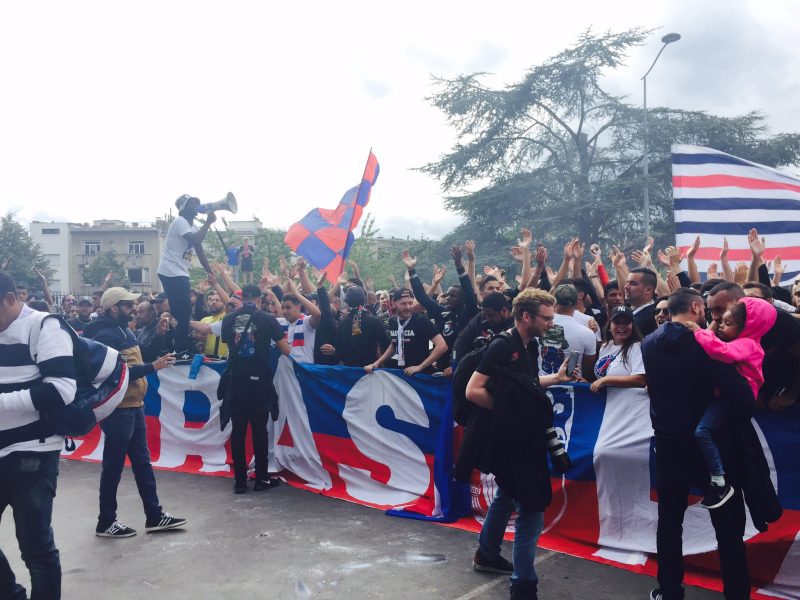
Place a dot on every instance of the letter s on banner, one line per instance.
(409, 472)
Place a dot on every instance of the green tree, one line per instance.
(103, 264)
(20, 255)
(557, 153)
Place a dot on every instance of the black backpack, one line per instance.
(463, 408)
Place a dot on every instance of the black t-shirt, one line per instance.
(363, 349)
(418, 331)
(780, 367)
(510, 354)
(252, 347)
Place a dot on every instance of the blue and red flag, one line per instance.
(324, 237)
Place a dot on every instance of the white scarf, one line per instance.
(400, 350)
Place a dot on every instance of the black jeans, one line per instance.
(257, 418)
(28, 485)
(178, 292)
(126, 435)
(679, 464)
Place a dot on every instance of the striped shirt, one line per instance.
(301, 338)
(37, 369)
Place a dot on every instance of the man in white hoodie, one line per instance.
(37, 372)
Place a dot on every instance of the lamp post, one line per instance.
(667, 39)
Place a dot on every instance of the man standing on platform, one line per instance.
(183, 238)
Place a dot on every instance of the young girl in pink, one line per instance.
(737, 342)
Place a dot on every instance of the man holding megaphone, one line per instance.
(183, 239)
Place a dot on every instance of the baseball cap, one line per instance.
(116, 294)
(621, 311)
(85, 300)
(250, 291)
(181, 202)
(238, 294)
(402, 293)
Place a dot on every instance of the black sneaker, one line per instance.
(240, 487)
(717, 495)
(266, 484)
(656, 594)
(116, 530)
(500, 565)
(163, 522)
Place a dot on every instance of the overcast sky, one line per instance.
(112, 110)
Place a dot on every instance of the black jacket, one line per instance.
(108, 331)
(478, 327)
(326, 329)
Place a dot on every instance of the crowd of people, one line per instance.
(705, 352)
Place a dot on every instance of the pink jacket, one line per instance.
(744, 352)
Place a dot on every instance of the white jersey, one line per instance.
(301, 336)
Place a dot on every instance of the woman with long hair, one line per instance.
(619, 363)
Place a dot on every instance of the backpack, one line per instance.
(102, 379)
(463, 408)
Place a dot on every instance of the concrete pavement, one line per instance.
(283, 544)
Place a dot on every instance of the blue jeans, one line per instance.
(126, 434)
(28, 485)
(178, 290)
(528, 528)
(716, 416)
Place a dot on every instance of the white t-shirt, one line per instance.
(566, 335)
(301, 336)
(177, 251)
(584, 319)
(610, 354)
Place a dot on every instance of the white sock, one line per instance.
(718, 480)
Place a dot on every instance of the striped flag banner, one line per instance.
(720, 196)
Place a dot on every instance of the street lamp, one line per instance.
(667, 39)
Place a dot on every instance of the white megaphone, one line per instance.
(227, 203)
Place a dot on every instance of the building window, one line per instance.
(91, 248)
(139, 276)
(51, 231)
(53, 259)
(135, 247)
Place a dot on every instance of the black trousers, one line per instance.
(679, 464)
(178, 292)
(249, 405)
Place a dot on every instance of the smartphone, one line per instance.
(572, 362)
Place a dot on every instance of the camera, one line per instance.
(558, 454)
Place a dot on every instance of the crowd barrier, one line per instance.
(386, 440)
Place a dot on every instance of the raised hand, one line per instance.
(40, 275)
(541, 256)
(673, 283)
(493, 270)
(711, 272)
(108, 277)
(469, 249)
(723, 255)
(438, 274)
(649, 245)
(300, 263)
(578, 249)
(674, 256)
(527, 238)
(740, 273)
(618, 257)
(663, 258)
(516, 253)
(321, 277)
(284, 267)
(591, 269)
(410, 263)
(780, 268)
(594, 250)
(757, 245)
(693, 248)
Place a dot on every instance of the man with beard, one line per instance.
(495, 316)
(125, 430)
(461, 304)
(411, 334)
(213, 346)
(85, 308)
(153, 334)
